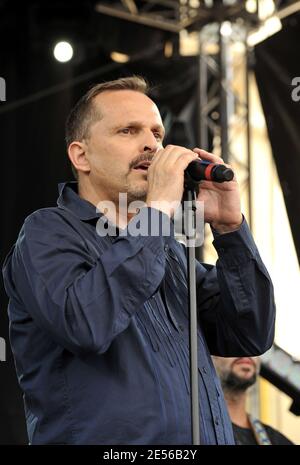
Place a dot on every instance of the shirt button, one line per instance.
(204, 370)
(181, 328)
(166, 247)
(217, 421)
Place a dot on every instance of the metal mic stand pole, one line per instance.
(190, 195)
(192, 178)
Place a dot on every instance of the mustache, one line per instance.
(141, 158)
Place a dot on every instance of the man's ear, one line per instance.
(77, 154)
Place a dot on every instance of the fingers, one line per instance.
(166, 176)
(174, 157)
(185, 159)
(208, 156)
(204, 155)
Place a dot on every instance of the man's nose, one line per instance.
(150, 143)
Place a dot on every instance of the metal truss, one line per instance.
(172, 15)
(224, 95)
(177, 15)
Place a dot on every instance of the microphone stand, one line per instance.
(189, 198)
(196, 172)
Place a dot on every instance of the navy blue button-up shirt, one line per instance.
(99, 328)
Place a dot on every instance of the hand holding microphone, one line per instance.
(222, 204)
(166, 179)
(202, 170)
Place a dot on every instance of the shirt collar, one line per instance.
(69, 200)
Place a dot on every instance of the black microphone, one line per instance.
(202, 170)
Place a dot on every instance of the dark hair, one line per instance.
(85, 112)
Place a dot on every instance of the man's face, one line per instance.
(237, 373)
(129, 132)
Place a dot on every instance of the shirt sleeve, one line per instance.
(236, 299)
(83, 301)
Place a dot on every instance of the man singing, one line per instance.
(99, 323)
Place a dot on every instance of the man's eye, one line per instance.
(157, 135)
(126, 130)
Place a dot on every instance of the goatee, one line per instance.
(237, 384)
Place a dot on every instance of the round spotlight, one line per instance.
(63, 51)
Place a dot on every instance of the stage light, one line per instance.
(251, 6)
(63, 52)
(226, 29)
(119, 57)
(267, 29)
